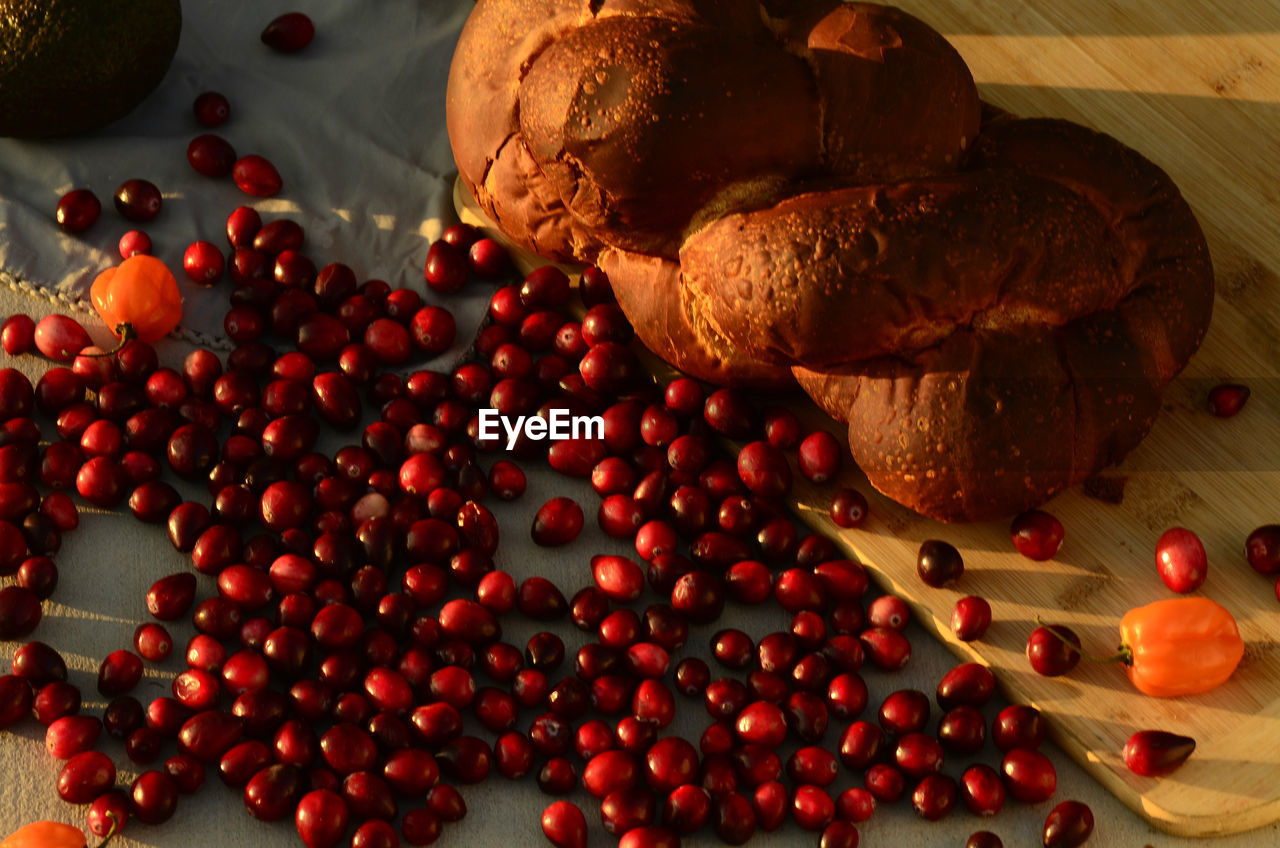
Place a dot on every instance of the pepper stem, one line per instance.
(126, 333)
(115, 826)
(1123, 655)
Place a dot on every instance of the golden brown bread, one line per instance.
(993, 305)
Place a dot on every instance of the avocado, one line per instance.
(68, 66)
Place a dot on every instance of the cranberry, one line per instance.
(18, 336)
(1018, 726)
(1037, 535)
(970, 618)
(558, 522)
(735, 818)
(138, 200)
(132, 243)
(62, 338)
(934, 797)
(983, 839)
(981, 790)
(1181, 560)
(887, 649)
(884, 782)
(321, 818)
(971, 683)
(730, 413)
(1029, 775)
(962, 730)
(839, 834)
(764, 470)
(1068, 825)
(861, 744)
(1262, 549)
(289, 33)
(819, 456)
(939, 563)
(855, 804)
(255, 175)
(1153, 753)
(565, 825)
(77, 210)
(69, 735)
(109, 813)
(888, 611)
(211, 109)
(211, 155)
(119, 672)
(1053, 650)
(1227, 399)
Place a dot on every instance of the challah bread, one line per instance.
(809, 188)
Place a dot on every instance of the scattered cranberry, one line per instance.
(211, 109)
(255, 175)
(211, 155)
(970, 618)
(1181, 560)
(939, 563)
(983, 839)
(1262, 549)
(1068, 825)
(1037, 535)
(138, 200)
(1227, 399)
(1153, 753)
(77, 210)
(558, 522)
(1053, 650)
(289, 33)
(1029, 775)
(203, 263)
(849, 508)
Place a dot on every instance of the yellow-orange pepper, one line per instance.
(1180, 646)
(45, 834)
(138, 299)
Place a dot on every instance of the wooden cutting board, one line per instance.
(1196, 87)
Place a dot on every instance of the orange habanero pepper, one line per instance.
(138, 299)
(1179, 646)
(45, 834)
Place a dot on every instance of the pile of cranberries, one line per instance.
(347, 605)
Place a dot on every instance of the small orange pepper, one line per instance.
(138, 299)
(1179, 646)
(45, 834)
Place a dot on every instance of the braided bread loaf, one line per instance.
(810, 191)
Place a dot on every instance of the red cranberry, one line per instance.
(558, 522)
(138, 200)
(962, 730)
(1029, 775)
(1018, 726)
(855, 805)
(934, 797)
(321, 818)
(983, 839)
(1037, 535)
(211, 155)
(888, 611)
(77, 210)
(1181, 560)
(819, 456)
(289, 33)
(1154, 753)
(861, 744)
(1068, 825)
(970, 683)
(939, 563)
(887, 649)
(970, 618)
(812, 807)
(1227, 399)
(255, 175)
(764, 470)
(1262, 549)
(132, 243)
(211, 108)
(687, 808)
(565, 825)
(59, 337)
(982, 790)
(735, 819)
(1053, 650)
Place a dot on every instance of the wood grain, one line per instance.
(1196, 87)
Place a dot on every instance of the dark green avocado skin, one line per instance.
(69, 66)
